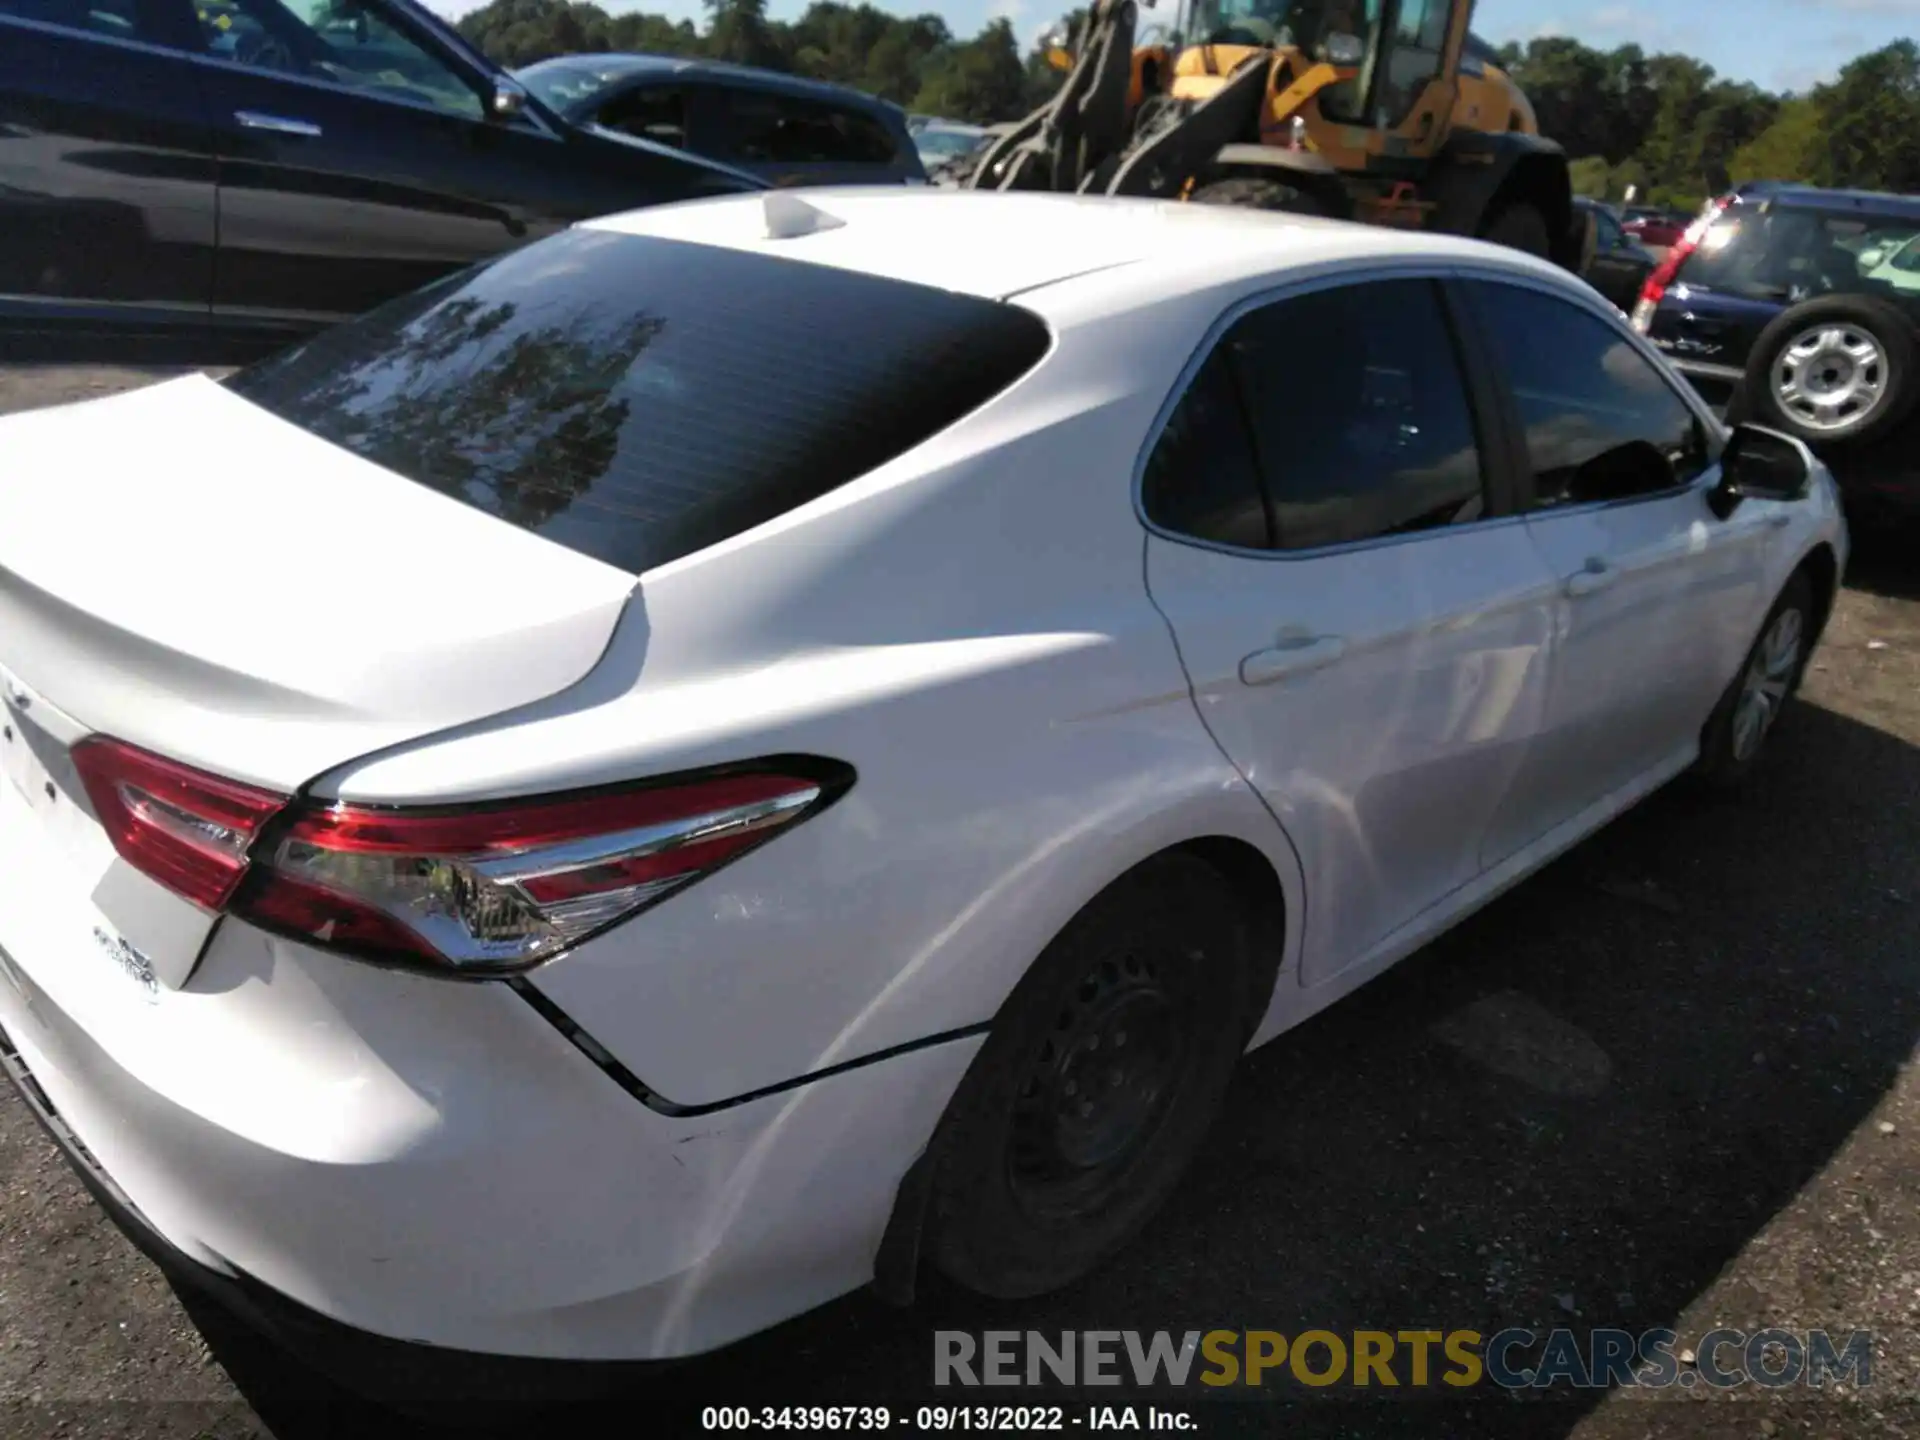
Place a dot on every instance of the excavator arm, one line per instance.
(1088, 120)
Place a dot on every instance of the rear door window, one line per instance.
(638, 399)
(785, 130)
(1202, 480)
(651, 112)
(1360, 414)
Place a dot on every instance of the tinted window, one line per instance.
(652, 114)
(1360, 414)
(1601, 421)
(118, 18)
(1607, 232)
(641, 399)
(335, 40)
(1200, 478)
(782, 130)
(1791, 255)
(573, 83)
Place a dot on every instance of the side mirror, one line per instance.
(508, 100)
(1344, 50)
(1761, 464)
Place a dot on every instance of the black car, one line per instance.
(1799, 308)
(1620, 264)
(265, 168)
(785, 129)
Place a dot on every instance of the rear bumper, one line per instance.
(399, 1373)
(431, 1162)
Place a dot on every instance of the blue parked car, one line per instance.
(782, 128)
(1799, 308)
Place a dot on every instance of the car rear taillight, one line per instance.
(1655, 290)
(496, 888)
(182, 827)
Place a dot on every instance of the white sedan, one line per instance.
(752, 747)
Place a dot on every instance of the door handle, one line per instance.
(1780, 519)
(1290, 658)
(1597, 576)
(279, 124)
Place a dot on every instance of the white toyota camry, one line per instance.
(753, 747)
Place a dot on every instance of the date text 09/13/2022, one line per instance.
(946, 1419)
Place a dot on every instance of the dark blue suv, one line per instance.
(1799, 308)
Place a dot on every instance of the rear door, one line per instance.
(106, 162)
(1365, 628)
(1657, 597)
(358, 160)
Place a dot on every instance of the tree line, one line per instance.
(1665, 124)
(1677, 132)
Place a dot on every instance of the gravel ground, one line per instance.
(1669, 1081)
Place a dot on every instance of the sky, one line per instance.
(1781, 44)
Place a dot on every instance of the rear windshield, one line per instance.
(639, 399)
(1770, 253)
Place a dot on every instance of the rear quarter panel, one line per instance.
(969, 628)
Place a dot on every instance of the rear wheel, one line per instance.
(1096, 1085)
(1519, 227)
(1258, 193)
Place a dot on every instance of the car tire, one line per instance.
(1519, 227)
(1736, 733)
(1037, 1177)
(1251, 192)
(1839, 331)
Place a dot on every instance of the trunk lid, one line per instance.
(186, 572)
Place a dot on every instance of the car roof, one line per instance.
(1813, 197)
(626, 65)
(963, 240)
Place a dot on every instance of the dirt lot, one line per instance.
(1670, 1081)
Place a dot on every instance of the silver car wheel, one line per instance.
(1831, 377)
(1768, 679)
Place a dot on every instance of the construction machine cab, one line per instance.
(1374, 110)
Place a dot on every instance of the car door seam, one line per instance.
(1193, 698)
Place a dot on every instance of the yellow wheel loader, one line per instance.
(1383, 111)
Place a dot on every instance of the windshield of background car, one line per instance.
(567, 86)
(945, 144)
(639, 399)
(1775, 253)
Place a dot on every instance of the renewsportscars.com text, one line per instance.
(1442, 1360)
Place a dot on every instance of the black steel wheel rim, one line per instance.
(1097, 1087)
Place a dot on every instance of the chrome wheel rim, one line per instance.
(1831, 377)
(1768, 679)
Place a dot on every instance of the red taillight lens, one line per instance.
(496, 888)
(183, 827)
(1655, 290)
